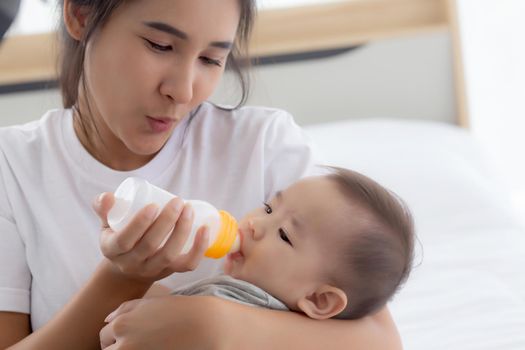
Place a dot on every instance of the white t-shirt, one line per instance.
(49, 233)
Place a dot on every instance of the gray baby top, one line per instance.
(229, 288)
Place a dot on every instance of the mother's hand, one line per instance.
(168, 322)
(135, 250)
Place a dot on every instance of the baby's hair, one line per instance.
(376, 259)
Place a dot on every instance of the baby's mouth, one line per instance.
(239, 253)
(236, 256)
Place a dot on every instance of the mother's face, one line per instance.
(152, 63)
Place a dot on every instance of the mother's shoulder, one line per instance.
(245, 115)
(20, 135)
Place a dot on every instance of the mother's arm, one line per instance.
(212, 323)
(14, 327)
(135, 262)
(269, 329)
(77, 325)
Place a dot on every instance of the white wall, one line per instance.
(23, 107)
(409, 78)
(35, 16)
(492, 37)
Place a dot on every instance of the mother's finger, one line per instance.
(114, 244)
(107, 336)
(175, 242)
(184, 262)
(196, 253)
(180, 233)
(102, 204)
(151, 241)
(122, 309)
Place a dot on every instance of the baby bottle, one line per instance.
(135, 193)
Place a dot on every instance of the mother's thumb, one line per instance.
(102, 205)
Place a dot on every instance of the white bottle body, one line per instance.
(133, 194)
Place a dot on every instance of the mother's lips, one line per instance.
(160, 124)
(162, 119)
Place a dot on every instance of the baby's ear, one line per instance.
(325, 302)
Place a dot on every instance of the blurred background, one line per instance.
(474, 76)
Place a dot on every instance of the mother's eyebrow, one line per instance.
(168, 28)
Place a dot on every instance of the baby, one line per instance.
(338, 245)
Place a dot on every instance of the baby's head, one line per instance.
(338, 245)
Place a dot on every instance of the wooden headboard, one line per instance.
(31, 58)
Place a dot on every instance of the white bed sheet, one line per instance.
(467, 290)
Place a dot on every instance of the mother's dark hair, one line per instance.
(72, 52)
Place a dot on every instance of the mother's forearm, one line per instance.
(256, 328)
(78, 324)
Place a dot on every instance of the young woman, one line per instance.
(135, 76)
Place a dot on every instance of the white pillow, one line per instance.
(438, 169)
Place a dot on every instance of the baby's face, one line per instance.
(286, 243)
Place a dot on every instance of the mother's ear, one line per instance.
(75, 19)
(325, 302)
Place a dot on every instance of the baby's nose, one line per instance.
(256, 229)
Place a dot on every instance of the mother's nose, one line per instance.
(178, 84)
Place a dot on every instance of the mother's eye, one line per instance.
(158, 47)
(211, 61)
(267, 208)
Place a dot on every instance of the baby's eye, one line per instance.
(284, 236)
(267, 208)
